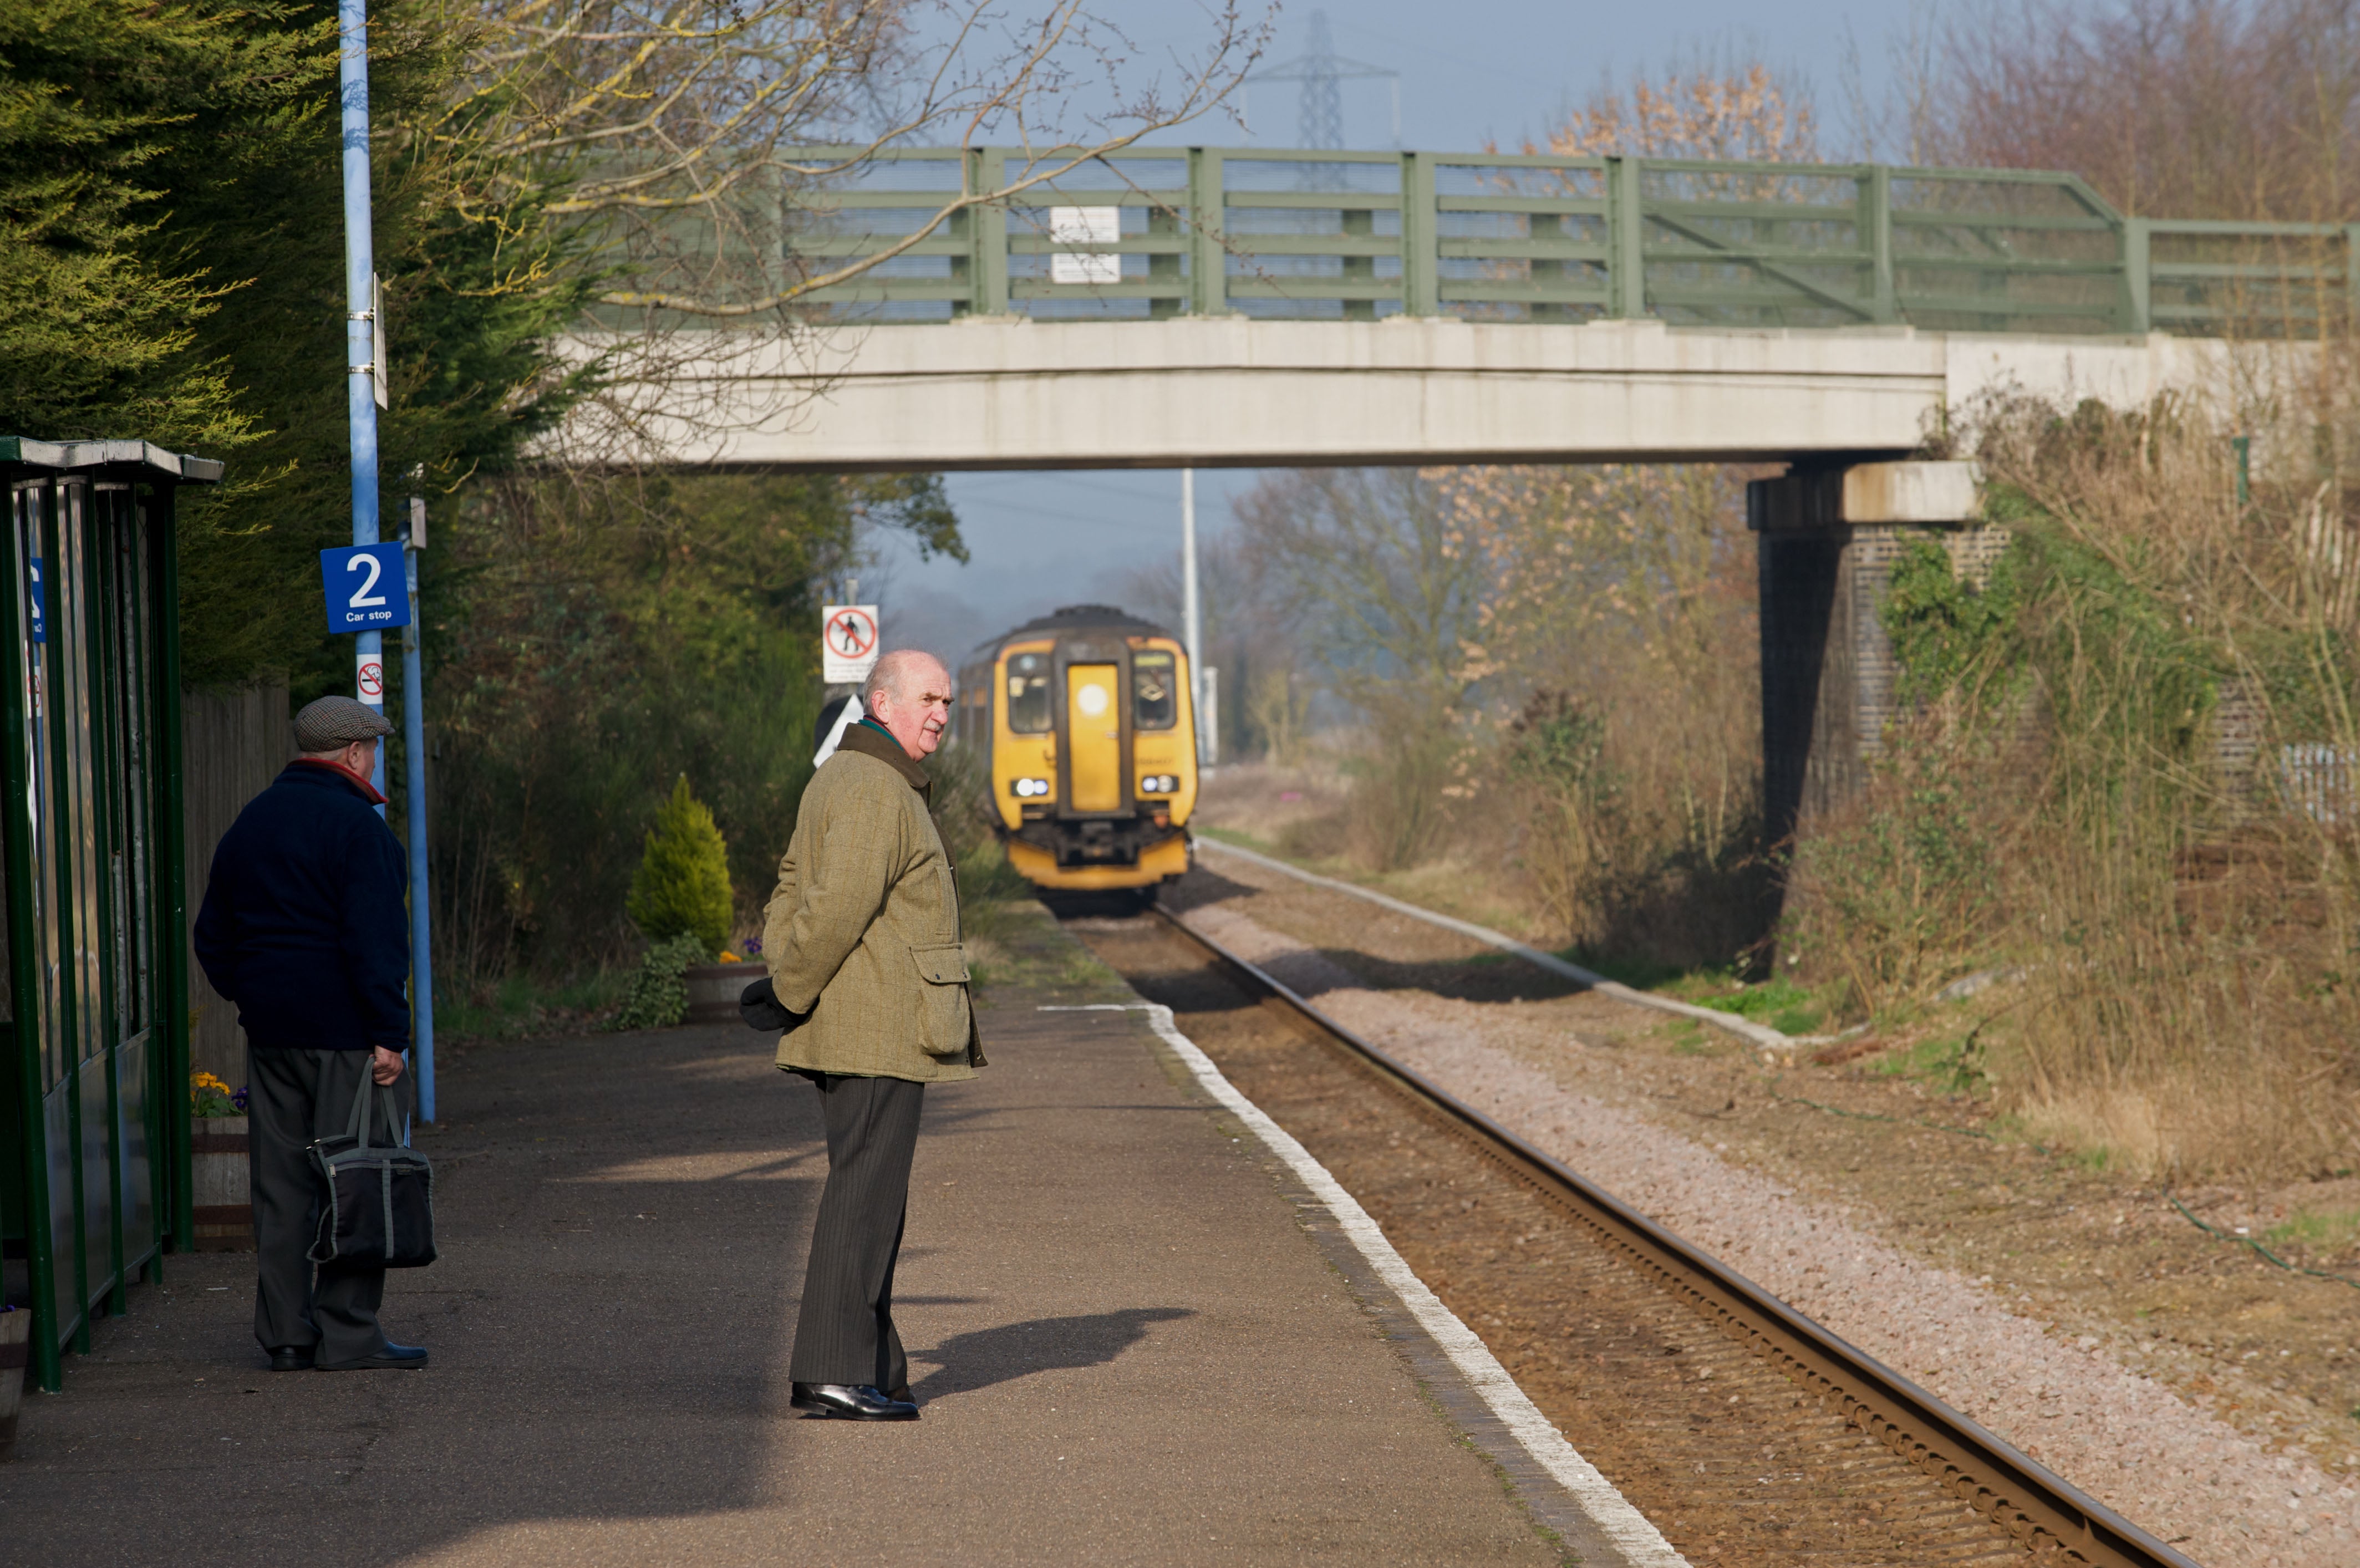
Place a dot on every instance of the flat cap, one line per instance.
(332, 723)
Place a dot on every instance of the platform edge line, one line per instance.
(1620, 1522)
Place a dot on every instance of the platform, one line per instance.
(1128, 1346)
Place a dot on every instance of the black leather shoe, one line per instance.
(290, 1357)
(849, 1401)
(401, 1358)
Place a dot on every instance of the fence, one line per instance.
(233, 744)
(2317, 780)
(1147, 233)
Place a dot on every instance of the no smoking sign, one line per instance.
(848, 639)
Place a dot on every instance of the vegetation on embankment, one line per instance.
(2130, 781)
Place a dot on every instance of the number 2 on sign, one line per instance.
(363, 597)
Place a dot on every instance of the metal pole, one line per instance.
(1192, 617)
(360, 310)
(413, 741)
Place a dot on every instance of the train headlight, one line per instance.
(1030, 789)
(1159, 784)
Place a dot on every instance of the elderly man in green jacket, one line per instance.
(863, 937)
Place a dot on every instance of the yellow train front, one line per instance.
(1086, 719)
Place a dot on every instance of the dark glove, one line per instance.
(759, 1006)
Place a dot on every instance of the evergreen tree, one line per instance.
(682, 885)
(102, 302)
(171, 267)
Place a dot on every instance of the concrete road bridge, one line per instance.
(1203, 306)
(1207, 307)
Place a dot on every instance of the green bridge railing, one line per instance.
(1201, 230)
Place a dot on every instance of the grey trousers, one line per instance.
(293, 1097)
(845, 1331)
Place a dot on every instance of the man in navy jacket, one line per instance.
(303, 928)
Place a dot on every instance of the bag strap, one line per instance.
(356, 1125)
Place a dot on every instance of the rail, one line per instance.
(2039, 1508)
(1156, 232)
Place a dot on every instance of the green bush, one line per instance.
(659, 996)
(681, 888)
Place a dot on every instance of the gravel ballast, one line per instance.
(2126, 1439)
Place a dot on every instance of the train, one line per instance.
(1088, 722)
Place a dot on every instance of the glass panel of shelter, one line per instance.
(76, 739)
(122, 691)
(35, 515)
(29, 503)
(75, 719)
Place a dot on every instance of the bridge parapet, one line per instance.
(1154, 232)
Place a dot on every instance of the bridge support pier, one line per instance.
(1827, 539)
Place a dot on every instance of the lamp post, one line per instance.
(363, 378)
(364, 394)
(413, 779)
(1192, 615)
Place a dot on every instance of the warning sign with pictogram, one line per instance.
(848, 636)
(369, 678)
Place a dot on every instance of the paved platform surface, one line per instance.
(1127, 1348)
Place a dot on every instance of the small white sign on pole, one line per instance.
(1085, 225)
(848, 643)
(369, 678)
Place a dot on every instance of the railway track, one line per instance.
(1747, 1433)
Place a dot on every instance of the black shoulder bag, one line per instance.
(378, 1210)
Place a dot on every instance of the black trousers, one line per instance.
(845, 1332)
(294, 1096)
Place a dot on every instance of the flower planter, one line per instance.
(714, 989)
(15, 1340)
(225, 1205)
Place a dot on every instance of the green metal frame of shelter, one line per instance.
(1529, 237)
(95, 1132)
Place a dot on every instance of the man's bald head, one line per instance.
(908, 692)
(893, 672)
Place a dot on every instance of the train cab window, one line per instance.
(1028, 694)
(1154, 690)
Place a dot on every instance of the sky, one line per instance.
(1472, 73)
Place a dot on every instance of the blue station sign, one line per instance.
(367, 589)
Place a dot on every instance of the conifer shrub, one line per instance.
(681, 888)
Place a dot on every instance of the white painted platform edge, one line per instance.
(1761, 1035)
(1629, 1529)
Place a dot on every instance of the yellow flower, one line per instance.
(207, 1081)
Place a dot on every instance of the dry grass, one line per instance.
(2094, 793)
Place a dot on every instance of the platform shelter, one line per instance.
(94, 1136)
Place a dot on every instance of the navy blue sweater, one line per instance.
(304, 925)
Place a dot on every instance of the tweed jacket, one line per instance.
(863, 932)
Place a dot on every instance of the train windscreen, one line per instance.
(1028, 695)
(1154, 690)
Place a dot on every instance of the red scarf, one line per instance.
(367, 789)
